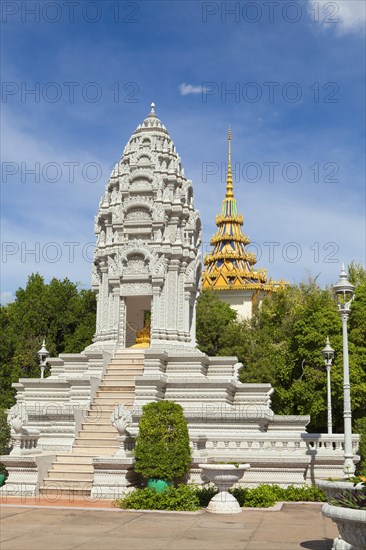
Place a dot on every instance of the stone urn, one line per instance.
(351, 527)
(224, 476)
(335, 489)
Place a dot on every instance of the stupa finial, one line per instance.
(229, 179)
(152, 108)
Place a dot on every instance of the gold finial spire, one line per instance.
(229, 179)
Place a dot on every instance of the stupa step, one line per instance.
(123, 371)
(74, 459)
(131, 356)
(105, 412)
(111, 401)
(96, 435)
(70, 475)
(93, 451)
(99, 427)
(96, 415)
(120, 394)
(115, 385)
(126, 362)
(113, 393)
(70, 467)
(100, 416)
(122, 375)
(125, 383)
(96, 442)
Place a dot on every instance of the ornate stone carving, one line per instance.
(160, 267)
(121, 418)
(138, 214)
(17, 418)
(112, 266)
(158, 213)
(117, 214)
(136, 264)
(136, 289)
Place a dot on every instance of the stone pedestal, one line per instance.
(114, 477)
(26, 474)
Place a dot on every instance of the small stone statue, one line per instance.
(121, 418)
(17, 418)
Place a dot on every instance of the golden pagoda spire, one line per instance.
(230, 266)
(229, 179)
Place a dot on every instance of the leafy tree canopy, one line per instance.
(282, 345)
(59, 312)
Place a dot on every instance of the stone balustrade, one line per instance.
(25, 442)
(271, 442)
(328, 443)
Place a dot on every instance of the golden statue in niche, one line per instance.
(143, 335)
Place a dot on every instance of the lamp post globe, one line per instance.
(343, 292)
(328, 355)
(43, 355)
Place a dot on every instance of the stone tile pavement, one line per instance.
(295, 527)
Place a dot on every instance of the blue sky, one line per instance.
(296, 114)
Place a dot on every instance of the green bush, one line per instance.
(162, 446)
(4, 437)
(205, 494)
(191, 497)
(262, 496)
(360, 427)
(307, 493)
(181, 498)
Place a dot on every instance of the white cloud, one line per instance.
(6, 297)
(186, 89)
(344, 16)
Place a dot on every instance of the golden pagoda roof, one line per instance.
(230, 266)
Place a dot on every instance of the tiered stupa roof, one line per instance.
(230, 266)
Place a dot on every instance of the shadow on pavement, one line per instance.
(323, 544)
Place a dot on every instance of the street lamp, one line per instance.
(43, 354)
(328, 355)
(343, 293)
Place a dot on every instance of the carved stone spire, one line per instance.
(138, 274)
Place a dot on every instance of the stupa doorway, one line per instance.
(138, 316)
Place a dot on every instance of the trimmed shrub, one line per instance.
(205, 494)
(162, 446)
(262, 496)
(190, 497)
(181, 498)
(308, 493)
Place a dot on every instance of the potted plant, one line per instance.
(162, 449)
(349, 513)
(334, 488)
(224, 476)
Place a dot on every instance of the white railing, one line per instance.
(273, 443)
(25, 442)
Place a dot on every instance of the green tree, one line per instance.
(58, 312)
(162, 446)
(282, 345)
(216, 325)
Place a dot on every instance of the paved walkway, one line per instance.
(295, 527)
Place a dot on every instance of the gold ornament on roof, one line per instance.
(230, 266)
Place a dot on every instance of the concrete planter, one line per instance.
(335, 489)
(351, 527)
(224, 476)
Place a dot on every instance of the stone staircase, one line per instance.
(71, 474)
